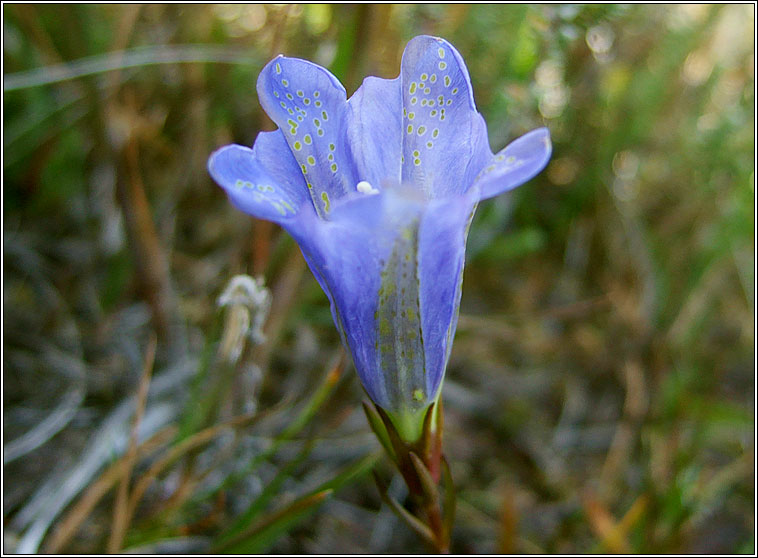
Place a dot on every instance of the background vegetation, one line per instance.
(600, 395)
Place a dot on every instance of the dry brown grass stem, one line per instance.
(120, 509)
(70, 524)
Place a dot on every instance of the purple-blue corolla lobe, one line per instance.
(379, 191)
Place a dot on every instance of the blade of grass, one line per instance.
(264, 532)
(121, 516)
(271, 489)
(314, 403)
(71, 523)
(176, 451)
(198, 406)
(353, 472)
(262, 538)
(133, 58)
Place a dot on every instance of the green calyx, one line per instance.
(409, 424)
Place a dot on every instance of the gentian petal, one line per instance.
(367, 255)
(309, 105)
(374, 128)
(264, 181)
(444, 137)
(521, 160)
(442, 249)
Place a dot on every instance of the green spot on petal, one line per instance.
(325, 198)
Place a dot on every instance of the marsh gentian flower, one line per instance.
(379, 191)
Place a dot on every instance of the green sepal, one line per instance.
(377, 425)
(449, 510)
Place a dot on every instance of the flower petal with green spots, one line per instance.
(379, 191)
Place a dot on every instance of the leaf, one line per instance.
(428, 486)
(413, 522)
(449, 511)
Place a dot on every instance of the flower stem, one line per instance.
(422, 465)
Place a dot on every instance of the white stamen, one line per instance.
(365, 188)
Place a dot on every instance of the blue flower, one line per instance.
(379, 191)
